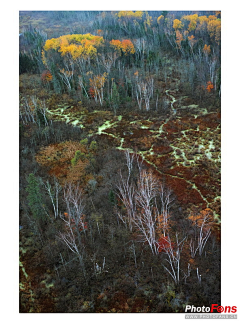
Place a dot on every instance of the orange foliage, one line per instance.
(212, 17)
(57, 159)
(205, 216)
(116, 44)
(46, 76)
(92, 92)
(163, 224)
(209, 86)
(206, 49)
(192, 41)
(126, 46)
(97, 82)
(164, 244)
(136, 74)
(82, 224)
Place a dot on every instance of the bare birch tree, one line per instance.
(126, 193)
(82, 86)
(97, 83)
(108, 60)
(146, 214)
(202, 226)
(140, 46)
(143, 91)
(28, 114)
(67, 74)
(73, 198)
(166, 200)
(53, 193)
(74, 222)
(140, 203)
(129, 162)
(173, 252)
(29, 109)
(69, 238)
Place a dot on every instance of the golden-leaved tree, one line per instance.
(177, 24)
(77, 45)
(130, 14)
(70, 55)
(75, 48)
(125, 46)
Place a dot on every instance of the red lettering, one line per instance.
(227, 309)
(220, 309)
(213, 307)
(234, 309)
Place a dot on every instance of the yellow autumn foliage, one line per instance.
(177, 24)
(126, 46)
(214, 29)
(130, 14)
(160, 18)
(76, 45)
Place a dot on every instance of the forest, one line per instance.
(120, 161)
